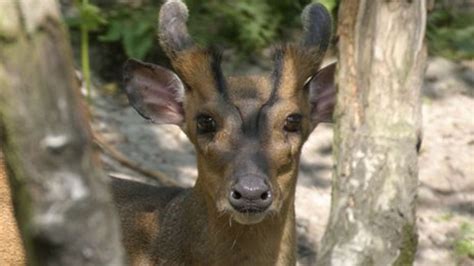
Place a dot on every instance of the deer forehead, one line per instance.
(249, 88)
(246, 94)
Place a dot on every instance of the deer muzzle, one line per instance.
(250, 194)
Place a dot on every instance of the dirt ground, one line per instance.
(446, 164)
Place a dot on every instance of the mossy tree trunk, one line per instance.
(62, 204)
(381, 66)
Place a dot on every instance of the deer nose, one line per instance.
(250, 194)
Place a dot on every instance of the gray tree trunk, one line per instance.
(65, 213)
(381, 66)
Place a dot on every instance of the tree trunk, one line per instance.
(381, 65)
(64, 211)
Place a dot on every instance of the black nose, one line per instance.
(250, 194)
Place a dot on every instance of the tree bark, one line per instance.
(381, 66)
(63, 207)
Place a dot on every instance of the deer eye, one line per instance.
(205, 124)
(293, 123)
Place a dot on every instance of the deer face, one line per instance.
(248, 131)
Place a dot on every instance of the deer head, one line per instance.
(248, 130)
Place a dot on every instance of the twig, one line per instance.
(85, 56)
(122, 159)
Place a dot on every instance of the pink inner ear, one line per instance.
(169, 113)
(323, 94)
(155, 92)
(324, 106)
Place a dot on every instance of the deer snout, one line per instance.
(250, 194)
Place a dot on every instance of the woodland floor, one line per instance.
(446, 164)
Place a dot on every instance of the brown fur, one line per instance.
(190, 235)
(174, 227)
(251, 140)
(297, 68)
(194, 65)
(197, 227)
(11, 249)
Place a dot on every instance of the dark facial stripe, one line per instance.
(219, 78)
(278, 58)
(262, 116)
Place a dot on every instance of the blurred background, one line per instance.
(108, 32)
(243, 29)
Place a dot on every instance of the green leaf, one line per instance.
(141, 49)
(90, 16)
(73, 22)
(137, 44)
(114, 32)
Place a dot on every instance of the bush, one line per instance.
(451, 33)
(246, 25)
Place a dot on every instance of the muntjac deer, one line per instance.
(247, 132)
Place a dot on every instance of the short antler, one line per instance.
(199, 68)
(317, 27)
(173, 32)
(297, 63)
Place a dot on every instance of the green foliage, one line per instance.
(329, 4)
(247, 25)
(451, 34)
(134, 28)
(89, 16)
(464, 244)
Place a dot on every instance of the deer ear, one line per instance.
(322, 94)
(155, 92)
